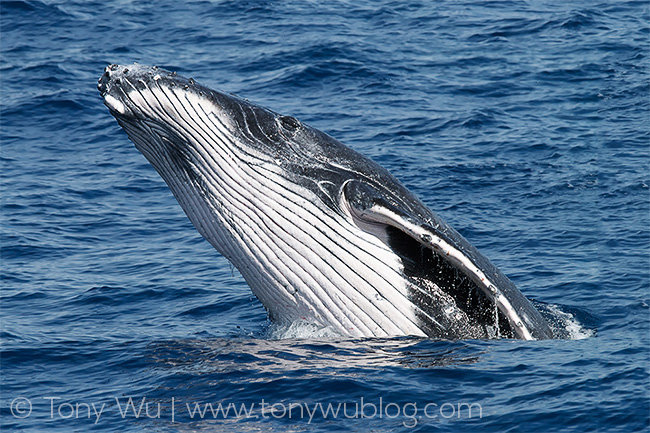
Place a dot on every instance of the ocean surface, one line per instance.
(524, 124)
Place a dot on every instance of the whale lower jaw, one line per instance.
(321, 234)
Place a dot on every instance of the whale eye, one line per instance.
(289, 123)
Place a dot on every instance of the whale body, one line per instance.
(320, 233)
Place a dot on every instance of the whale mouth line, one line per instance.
(320, 233)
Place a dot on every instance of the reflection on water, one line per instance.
(313, 357)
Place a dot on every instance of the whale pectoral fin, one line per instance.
(370, 206)
(447, 303)
(411, 237)
(435, 255)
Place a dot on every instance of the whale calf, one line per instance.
(321, 234)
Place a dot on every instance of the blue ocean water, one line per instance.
(525, 124)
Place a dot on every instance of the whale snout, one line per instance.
(105, 79)
(115, 74)
(119, 80)
(111, 86)
(120, 84)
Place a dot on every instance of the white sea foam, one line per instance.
(567, 324)
(302, 330)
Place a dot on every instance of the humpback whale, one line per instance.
(321, 234)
